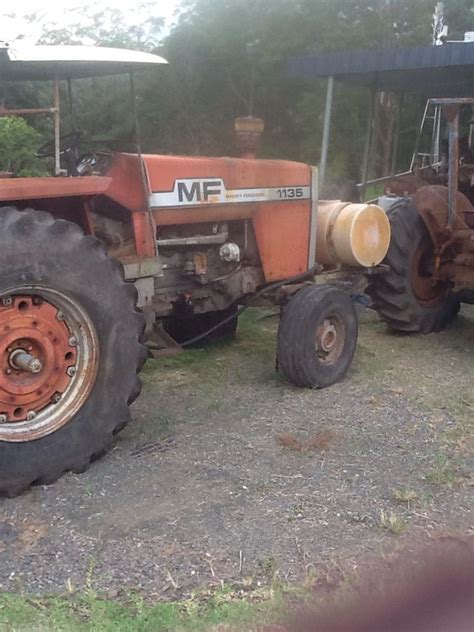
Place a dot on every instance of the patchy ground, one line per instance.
(229, 474)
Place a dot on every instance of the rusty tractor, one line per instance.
(122, 254)
(431, 255)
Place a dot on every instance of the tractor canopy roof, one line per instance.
(20, 62)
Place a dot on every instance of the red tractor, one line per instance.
(120, 249)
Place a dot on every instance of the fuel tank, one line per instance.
(351, 234)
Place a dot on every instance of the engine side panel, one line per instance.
(276, 195)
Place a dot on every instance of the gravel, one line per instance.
(211, 483)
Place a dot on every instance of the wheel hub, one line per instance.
(48, 362)
(330, 337)
(326, 336)
(35, 356)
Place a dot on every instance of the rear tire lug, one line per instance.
(71, 371)
(73, 341)
(30, 415)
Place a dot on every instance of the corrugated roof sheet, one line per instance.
(435, 71)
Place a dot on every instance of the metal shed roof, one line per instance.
(433, 71)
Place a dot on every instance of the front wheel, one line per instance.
(70, 349)
(317, 336)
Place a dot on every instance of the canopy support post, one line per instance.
(143, 172)
(414, 160)
(368, 141)
(452, 114)
(57, 130)
(396, 139)
(326, 132)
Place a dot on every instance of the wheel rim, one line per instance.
(330, 338)
(48, 361)
(422, 276)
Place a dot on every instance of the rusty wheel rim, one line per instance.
(422, 284)
(330, 338)
(48, 361)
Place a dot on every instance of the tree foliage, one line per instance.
(18, 144)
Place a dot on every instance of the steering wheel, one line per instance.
(68, 142)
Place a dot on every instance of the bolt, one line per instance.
(7, 301)
(36, 365)
(71, 371)
(56, 398)
(29, 348)
(3, 419)
(59, 315)
(9, 349)
(73, 341)
(30, 415)
(8, 371)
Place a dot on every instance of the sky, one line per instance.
(12, 23)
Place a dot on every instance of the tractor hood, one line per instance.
(183, 181)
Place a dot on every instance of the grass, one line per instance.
(255, 337)
(392, 522)
(444, 471)
(405, 496)
(90, 612)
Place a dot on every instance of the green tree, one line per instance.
(18, 144)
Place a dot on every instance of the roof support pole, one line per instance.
(452, 114)
(57, 131)
(396, 136)
(368, 141)
(147, 246)
(326, 132)
(415, 156)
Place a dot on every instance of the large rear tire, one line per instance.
(317, 336)
(64, 303)
(404, 297)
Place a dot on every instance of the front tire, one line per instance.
(404, 297)
(317, 336)
(64, 303)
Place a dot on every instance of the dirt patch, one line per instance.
(201, 489)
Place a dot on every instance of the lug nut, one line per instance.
(59, 315)
(71, 371)
(3, 419)
(30, 415)
(8, 371)
(73, 341)
(7, 301)
(56, 398)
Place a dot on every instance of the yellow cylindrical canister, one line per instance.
(351, 234)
